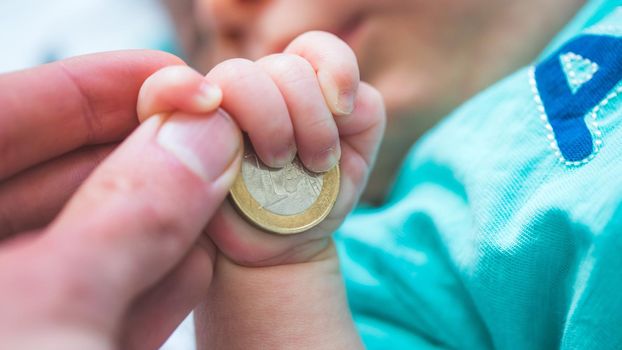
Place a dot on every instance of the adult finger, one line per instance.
(157, 313)
(315, 131)
(336, 67)
(32, 199)
(142, 210)
(254, 100)
(177, 88)
(55, 108)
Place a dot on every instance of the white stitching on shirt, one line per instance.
(593, 126)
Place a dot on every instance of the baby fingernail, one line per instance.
(345, 102)
(207, 146)
(209, 97)
(285, 156)
(325, 160)
(341, 101)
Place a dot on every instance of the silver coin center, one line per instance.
(287, 191)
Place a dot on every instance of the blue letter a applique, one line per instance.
(573, 82)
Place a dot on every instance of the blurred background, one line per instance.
(34, 32)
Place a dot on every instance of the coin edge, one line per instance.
(304, 221)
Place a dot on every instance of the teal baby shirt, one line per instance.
(504, 227)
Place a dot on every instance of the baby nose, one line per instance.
(229, 16)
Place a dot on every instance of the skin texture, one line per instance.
(316, 72)
(107, 256)
(425, 57)
(114, 263)
(143, 263)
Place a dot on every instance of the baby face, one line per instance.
(401, 44)
(424, 56)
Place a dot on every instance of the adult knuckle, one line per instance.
(109, 186)
(76, 285)
(163, 223)
(160, 218)
(92, 121)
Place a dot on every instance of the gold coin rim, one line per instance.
(287, 224)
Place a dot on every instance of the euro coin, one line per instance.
(288, 200)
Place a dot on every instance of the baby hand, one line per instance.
(306, 101)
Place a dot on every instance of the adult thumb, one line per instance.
(144, 207)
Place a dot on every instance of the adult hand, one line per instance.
(121, 265)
